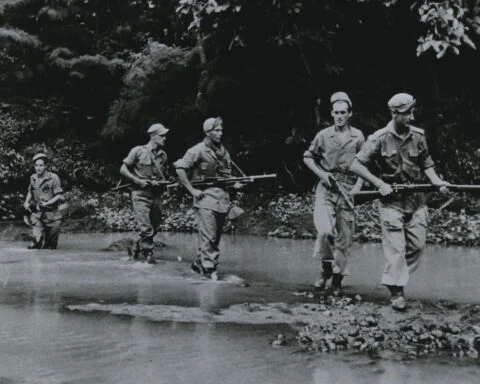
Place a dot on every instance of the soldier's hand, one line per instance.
(325, 178)
(385, 189)
(142, 183)
(443, 186)
(353, 191)
(155, 183)
(240, 184)
(27, 207)
(197, 193)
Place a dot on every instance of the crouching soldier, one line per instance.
(146, 167)
(44, 196)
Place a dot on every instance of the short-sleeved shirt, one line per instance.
(399, 160)
(44, 189)
(334, 155)
(145, 163)
(206, 160)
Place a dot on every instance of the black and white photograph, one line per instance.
(239, 191)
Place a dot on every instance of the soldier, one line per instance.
(43, 198)
(399, 152)
(146, 167)
(208, 159)
(329, 156)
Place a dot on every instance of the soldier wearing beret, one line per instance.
(43, 198)
(208, 159)
(329, 157)
(146, 166)
(400, 153)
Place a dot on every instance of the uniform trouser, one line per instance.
(147, 210)
(210, 226)
(335, 224)
(45, 232)
(403, 240)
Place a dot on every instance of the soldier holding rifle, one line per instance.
(146, 167)
(329, 156)
(400, 153)
(43, 203)
(208, 159)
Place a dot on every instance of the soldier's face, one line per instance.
(159, 139)
(216, 134)
(341, 114)
(39, 167)
(403, 119)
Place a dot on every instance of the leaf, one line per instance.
(468, 41)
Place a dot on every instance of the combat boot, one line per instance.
(397, 300)
(35, 245)
(134, 252)
(197, 267)
(337, 284)
(149, 256)
(327, 271)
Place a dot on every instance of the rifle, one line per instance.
(150, 182)
(223, 181)
(365, 196)
(336, 187)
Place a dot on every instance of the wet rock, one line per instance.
(379, 336)
(417, 329)
(412, 354)
(279, 341)
(454, 330)
(424, 338)
(437, 333)
(472, 353)
(371, 322)
(340, 340)
(354, 332)
(305, 339)
(476, 343)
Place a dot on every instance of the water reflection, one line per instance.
(42, 342)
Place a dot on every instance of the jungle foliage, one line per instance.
(84, 78)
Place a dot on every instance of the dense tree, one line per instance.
(108, 68)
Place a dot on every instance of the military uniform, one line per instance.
(45, 220)
(400, 160)
(201, 161)
(147, 164)
(333, 218)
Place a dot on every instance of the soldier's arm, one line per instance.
(428, 166)
(308, 159)
(28, 199)
(185, 181)
(188, 161)
(125, 171)
(359, 183)
(369, 151)
(434, 178)
(57, 192)
(362, 171)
